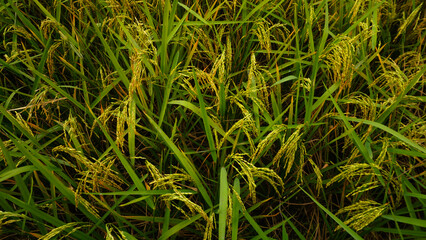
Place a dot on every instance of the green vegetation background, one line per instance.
(289, 119)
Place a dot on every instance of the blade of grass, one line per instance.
(178, 227)
(235, 208)
(406, 232)
(165, 26)
(326, 95)
(9, 173)
(254, 224)
(166, 222)
(194, 13)
(223, 203)
(146, 192)
(406, 220)
(315, 64)
(416, 195)
(205, 121)
(273, 228)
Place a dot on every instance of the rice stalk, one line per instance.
(7, 145)
(357, 8)
(362, 213)
(257, 88)
(192, 207)
(229, 215)
(7, 218)
(364, 188)
(368, 107)
(303, 82)
(318, 174)
(267, 141)
(208, 232)
(248, 123)
(54, 232)
(288, 150)
(340, 61)
(94, 174)
(355, 170)
(114, 231)
(47, 27)
(392, 78)
(262, 31)
(417, 132)
(166, 181)
(40, 100)
(16, 29)
(249, 172)
(23, 123)
(408, 20)
(74, 134)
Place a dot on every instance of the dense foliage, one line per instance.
(288, 119)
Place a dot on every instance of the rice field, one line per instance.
(244, 119)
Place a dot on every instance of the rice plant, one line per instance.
(261, 119)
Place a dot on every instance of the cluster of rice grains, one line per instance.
(261, 119)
